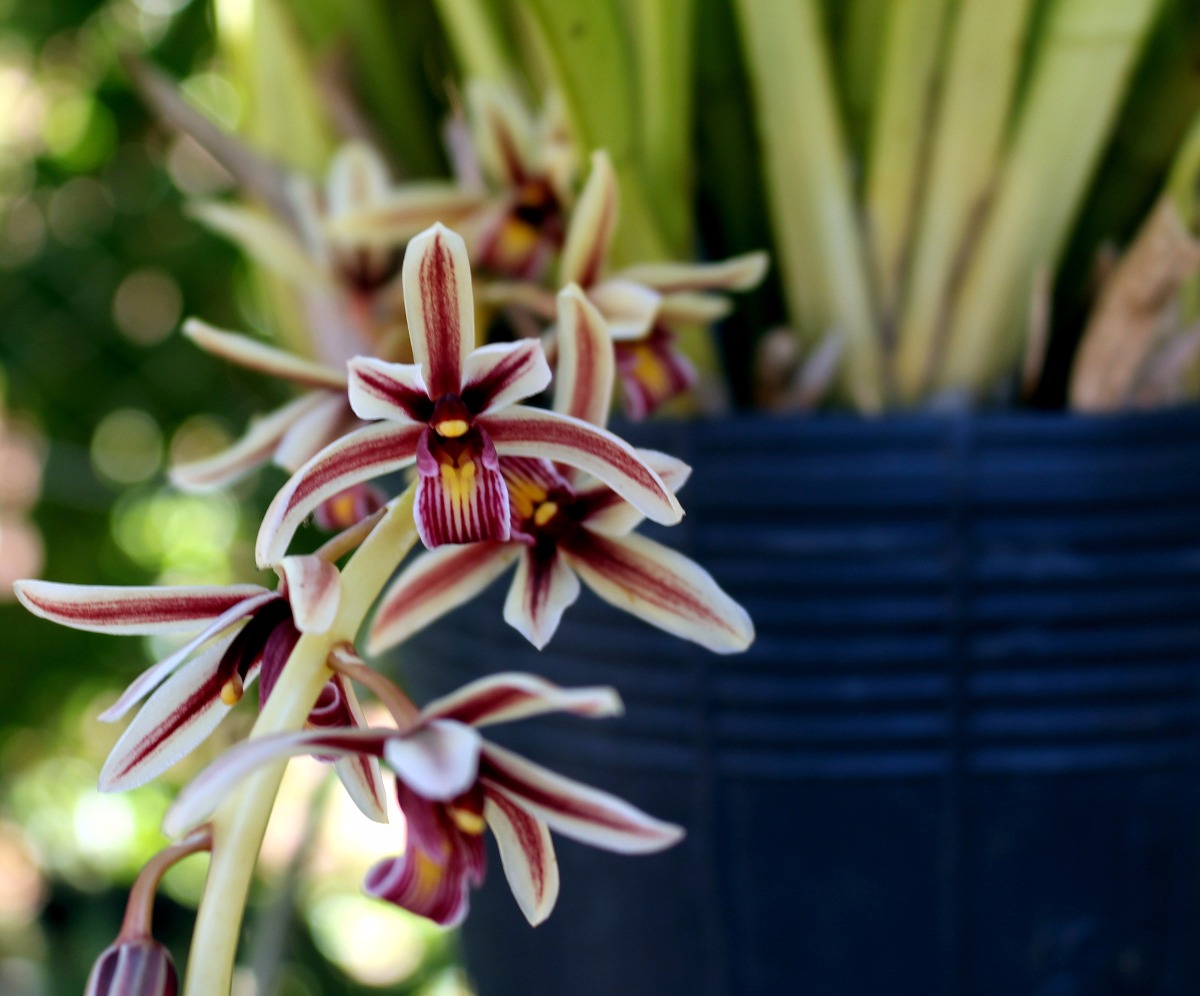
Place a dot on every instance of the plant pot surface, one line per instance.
(962, 757)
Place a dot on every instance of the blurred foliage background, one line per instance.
(98, 265)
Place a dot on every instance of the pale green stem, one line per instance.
(821, 258)
(899, 137)
(1080, 75)
(860, 60)
(976, 102)
(479, 47)
(239, 824)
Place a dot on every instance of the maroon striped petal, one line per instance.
(369, 452)
(441, 313)
(526, 854)
(461, 497)
(542, 590)
(360, 774)
(607, 513)
(393, 391)
(314, 589)
(438, 760)
(137, 967)
(174, 721)
(652, 372)
(501, 131)
(573, 809)
(438, 890)
(503, 698)
(256, 355)
(592, 225)
(140, 611)
(663, 587)
(255, 448)
(432, 585)
(522, 431)
(207, 790)
(497, 375)
(584, 377)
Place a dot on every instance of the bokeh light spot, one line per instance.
(147, 305)
(79, 211)
(127, 446)
(372, 942)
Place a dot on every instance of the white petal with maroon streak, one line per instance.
(573, 809)
(256, 355)
(399, 215)
(436, 275)
(513, 695)
(526, 854)
(208, 789)
(592, 225)
(629, 309)
(542, 590)
(662, 587)
(586, 369)
(369, 452)
(530, 432)
(360, 773)
(382, 390)
(495, 376)
(736, 273)
(314, 589)
(432, 585)
(612, 515)
(327, 421)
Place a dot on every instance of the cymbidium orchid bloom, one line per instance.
(525, 166)
(453, 414)
(346, 283)
(452, 785)
(245, 632)
(566, 527)
(643, 305)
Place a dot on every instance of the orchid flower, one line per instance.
(453, 414)
(642, 305)
(566, 527)
(526, 164)
(451, 785)
(342, 279)
(245, 632)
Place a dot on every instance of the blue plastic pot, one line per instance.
(963, 756)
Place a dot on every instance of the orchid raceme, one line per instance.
(453, 414)
(246, 632)
(565, 527)
(452, 784)
(643, 305)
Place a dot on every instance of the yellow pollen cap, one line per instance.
(231, 691)
(452, 428)
(468, 821)
(546, 511)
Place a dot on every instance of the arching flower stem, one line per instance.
(238, 826)
(139, 908)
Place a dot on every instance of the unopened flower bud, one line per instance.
(136, 967)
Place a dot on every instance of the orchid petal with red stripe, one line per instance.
(131, 611)
(609, 514)
(369, 452)
(663, 587)
(573, 809)
(441, 314)
(586, 368)
(432, 585)
(592, 225)
(497, 375)
(415, 881)
(393, 391)
(313, 589)
(526, 854)
(360, 774)
(629, 309)
(173, 722)
(736, 273)
(521, 431)
(513, 695)
(542, 590)
(207, 790)
(325, 423)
